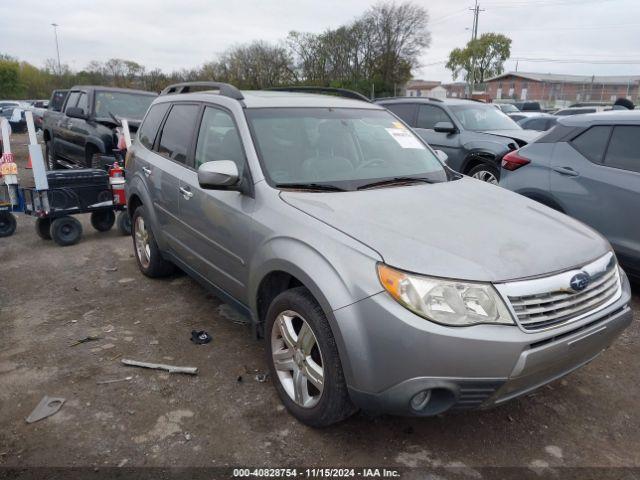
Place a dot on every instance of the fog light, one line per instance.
(420, 400)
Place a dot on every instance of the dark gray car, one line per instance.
(588, 167)
(475, 136)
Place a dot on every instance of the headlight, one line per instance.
(449, 302)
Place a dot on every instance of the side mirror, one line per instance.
(75, 112)
(442, 156)
(218, 175)
(445, 127)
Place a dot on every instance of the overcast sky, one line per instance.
(175, 34)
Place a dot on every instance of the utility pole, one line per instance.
(55, 33)
(474, 35)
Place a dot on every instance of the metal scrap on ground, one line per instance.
(160, 366)
(47, 407)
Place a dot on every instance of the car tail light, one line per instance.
(513, 161)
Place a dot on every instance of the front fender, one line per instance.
(336, 279)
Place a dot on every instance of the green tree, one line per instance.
(9, 77)
(482, 58)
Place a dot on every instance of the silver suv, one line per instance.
(379, 278)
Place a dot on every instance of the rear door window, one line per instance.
(175, 139)
(624, 148)
(429, 115)
(406, 111)
(592, 143)
(149, 128)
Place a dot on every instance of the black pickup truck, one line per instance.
(83, 133)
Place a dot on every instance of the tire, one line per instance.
(103, 220)
(124, 223)
(43, 228)
(50, 156)
(66, 231)
(7, 224)
(291, 310)
(146, 249)
(486, 173)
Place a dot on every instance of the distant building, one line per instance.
(456, 89)
(420, 88)
(551, 88)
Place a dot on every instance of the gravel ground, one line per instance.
(52, 296)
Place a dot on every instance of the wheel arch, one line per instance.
(479, 157)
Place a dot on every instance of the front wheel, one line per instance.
(304, 362)
(486, 173)
(7, 224)
(146, 249)
(124, 223)
(43, 228)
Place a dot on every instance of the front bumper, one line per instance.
(393, 355)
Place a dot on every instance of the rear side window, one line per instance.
(624, 148)
(428, 116)
(57, 101)
(73, 100)
(177, 132)
(592, 143)
(149, 128)
(406, 111)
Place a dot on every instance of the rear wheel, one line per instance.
(303, 360)
(66, 231)
(486, 173)
(7, 224)
(103, 220)
(146, 249)
(43, 228)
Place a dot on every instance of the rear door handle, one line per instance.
(147, 171)
(186, 193)
(566, 171)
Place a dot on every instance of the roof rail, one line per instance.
(399, 97)
(341, 92)
(225, 89)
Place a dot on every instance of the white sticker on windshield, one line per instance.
(405, 138)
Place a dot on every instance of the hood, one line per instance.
(522, 137)
(465, 229)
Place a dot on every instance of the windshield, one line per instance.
(480, 118)
(345, 148)
(123, 105)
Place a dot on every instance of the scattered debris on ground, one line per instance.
(161, 366)
(115, 380)
(47, 407)
(85, 340)
(200, 337)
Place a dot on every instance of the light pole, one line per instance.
(55, 33)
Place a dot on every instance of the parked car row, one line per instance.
(374, 272)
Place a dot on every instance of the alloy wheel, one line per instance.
(141, 236)
(297, 359)
(486, 176)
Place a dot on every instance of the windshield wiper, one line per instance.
(319, 187)
(395, 180)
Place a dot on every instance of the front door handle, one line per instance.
(147, 171)
(566, 171)
(186, 193)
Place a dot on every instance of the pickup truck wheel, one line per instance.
(486, 173)
(52, 163)
(66, 231)
(103, 220)
(43, 228)
(7, 224)
(303, 360)
(146, 249)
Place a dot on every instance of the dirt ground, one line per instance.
(52, 296)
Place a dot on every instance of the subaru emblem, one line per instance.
(580, 281)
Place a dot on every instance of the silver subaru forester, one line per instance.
(379, 278)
